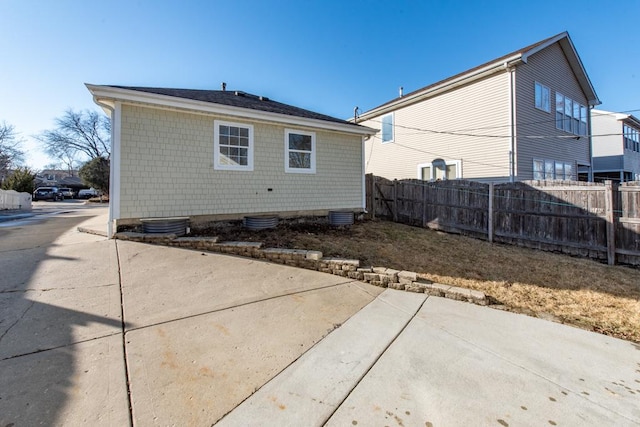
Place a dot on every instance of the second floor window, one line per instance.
(542, 97)
(571, 116)
(631, 138)
(387, 128)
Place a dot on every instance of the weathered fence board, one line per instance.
(600, 221)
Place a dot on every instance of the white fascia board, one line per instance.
(446, 85)
(107, 94)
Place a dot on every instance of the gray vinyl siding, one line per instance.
(427, 130)
(550, 68)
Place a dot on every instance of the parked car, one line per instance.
(47, 193)
(67, 193)
(88, 193)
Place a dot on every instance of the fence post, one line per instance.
(424, 204)
(611, 226)
(490, 215)
(373, 197)
(395, 200)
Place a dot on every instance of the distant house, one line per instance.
(616, 146)
(522, 116)
(217, 155)
(58, 178)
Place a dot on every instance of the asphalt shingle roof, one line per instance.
(238, 99)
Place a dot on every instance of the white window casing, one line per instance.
(542, 97)
(571, 116)
(433, 170)
(388, 130)
(553, 169)
(299, 151)
(232, 146)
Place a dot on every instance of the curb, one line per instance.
(92, 231)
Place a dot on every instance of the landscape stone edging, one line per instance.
(313, 260)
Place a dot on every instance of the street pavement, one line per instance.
(107, 332)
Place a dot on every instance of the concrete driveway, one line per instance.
(149, 335)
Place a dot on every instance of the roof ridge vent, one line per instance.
(239, 93)
(264, 98)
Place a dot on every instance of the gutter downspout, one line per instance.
(364, 175)
(512, 121)
(590, 174)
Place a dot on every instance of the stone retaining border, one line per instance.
(313, 260)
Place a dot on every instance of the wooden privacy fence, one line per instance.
(600, 221)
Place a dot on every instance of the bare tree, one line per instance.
(78, 132)
(10, 153)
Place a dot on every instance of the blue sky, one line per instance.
(327, 56)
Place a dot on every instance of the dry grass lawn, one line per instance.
(570, 290)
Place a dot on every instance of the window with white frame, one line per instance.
(300, 151)
(542, 97)
(387, 128)
(233, 146)
(538, 169)
(552, 169)
(571, 116)
(424, 172)
(440, 170)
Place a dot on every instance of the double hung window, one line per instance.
(300, 151)
(571, 116)
(387, 128)
(233, 146)
(542, 97)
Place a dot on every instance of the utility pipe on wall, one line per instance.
(512, 122)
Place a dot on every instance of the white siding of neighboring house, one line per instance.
(551, 68)
(609, 151)
(480, 109)
(611, 143)
(167, 169)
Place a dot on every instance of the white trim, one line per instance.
(364, 173)
(217, 165)
(422, 166)
(289, 169)
(535, 91)
(393, 125)
(514, 128)
(116, 160)
(107, 94)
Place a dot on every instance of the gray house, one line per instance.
(616, 146)
(218, 155)
(522, 116)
